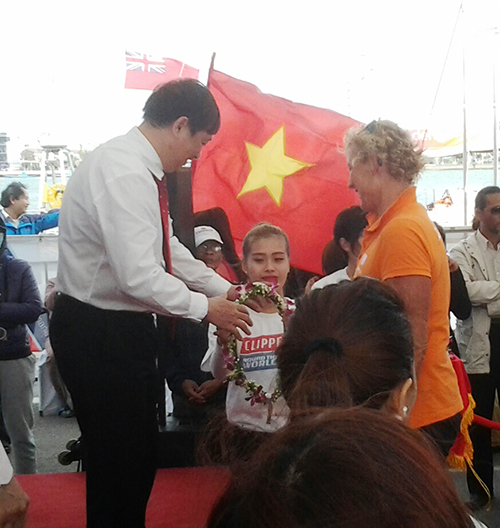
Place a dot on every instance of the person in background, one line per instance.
(402, 247)
(217, 218)
(343, 256)
(209, 248)
(349, 468)
(460, 305)
(196, 394)
(478, 336)
(346, 345)
(13, 500)
(15, 202)
(66, 410)
(327, 258)
(20, 304)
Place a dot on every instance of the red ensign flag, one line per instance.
(145, 72)
(275, 161)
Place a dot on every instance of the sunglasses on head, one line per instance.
(370, 127)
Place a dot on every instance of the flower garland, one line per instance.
(233, 362)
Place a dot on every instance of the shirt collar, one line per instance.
(149, 154)
(9, 219)
(406, 198)
(483, 242)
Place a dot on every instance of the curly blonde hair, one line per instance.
(392, 145)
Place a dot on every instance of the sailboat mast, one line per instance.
(465, 156)
(495, 123)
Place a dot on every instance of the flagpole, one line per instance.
(212, 62)
(465, 153)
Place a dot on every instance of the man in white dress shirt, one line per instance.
(112, 278)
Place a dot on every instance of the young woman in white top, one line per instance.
(253, 402)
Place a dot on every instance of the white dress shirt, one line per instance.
(111, 237)
(491, 256)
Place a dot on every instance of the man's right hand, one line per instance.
(228, 316)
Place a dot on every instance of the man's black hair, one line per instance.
(183, 98)
(14, 190)
(482, 196)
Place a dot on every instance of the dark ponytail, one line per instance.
(373, 352)
(349, 225)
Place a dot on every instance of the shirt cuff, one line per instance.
(198, 308)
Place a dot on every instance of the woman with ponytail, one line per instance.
(347, 371)
(348, 345)
(341, 254)
(346, 468)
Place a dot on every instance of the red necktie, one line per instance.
(163, 198)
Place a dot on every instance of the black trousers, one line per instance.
(108, 362)
(484, 387)
(443, 434)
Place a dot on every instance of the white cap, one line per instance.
(204, 233)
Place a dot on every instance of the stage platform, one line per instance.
(181, 498)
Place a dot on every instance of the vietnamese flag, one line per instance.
(275, 161)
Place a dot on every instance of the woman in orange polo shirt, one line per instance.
(402, 247)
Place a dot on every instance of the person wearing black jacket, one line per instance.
(20, 304)
(460, 305)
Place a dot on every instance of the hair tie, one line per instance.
(325, 344)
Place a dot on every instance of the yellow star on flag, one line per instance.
(270, 166)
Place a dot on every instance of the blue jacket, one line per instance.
(33, 224)
(20, 304)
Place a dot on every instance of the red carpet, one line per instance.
(181, 498)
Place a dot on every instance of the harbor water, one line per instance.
(433, 184)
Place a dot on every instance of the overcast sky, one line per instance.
(63, 61)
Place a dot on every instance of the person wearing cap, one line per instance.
(208, 244)
(209, 248)
(196, 394)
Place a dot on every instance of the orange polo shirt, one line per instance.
(404, 242)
